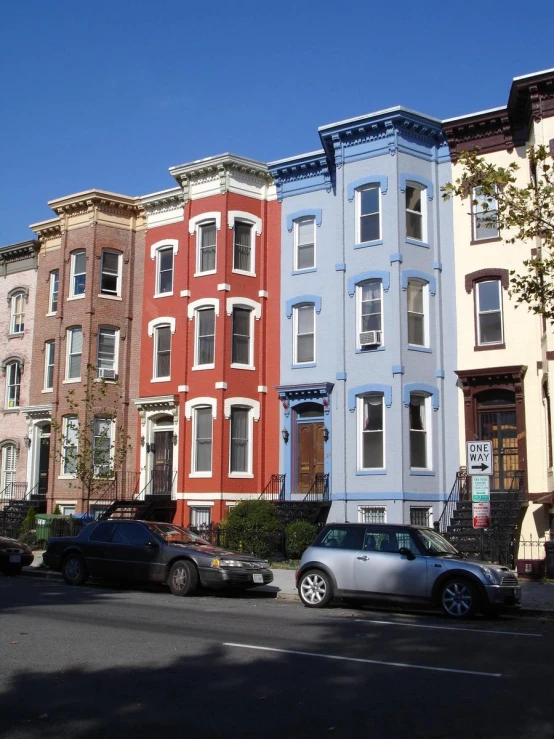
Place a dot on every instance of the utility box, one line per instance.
(532, 568)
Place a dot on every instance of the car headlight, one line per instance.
(226, 563)
(492, 575)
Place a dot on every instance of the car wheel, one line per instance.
(315, 589)
(459, 598)
(74, 571)
(182, 578)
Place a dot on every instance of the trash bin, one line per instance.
(50, 524)
(549, 548)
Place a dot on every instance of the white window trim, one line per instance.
(360, 431)
(155, 250)
(255, 307)
(248, 406)
(491, 233)
(203, 400)
(68, 345)
(501, 310)
(195, 221)
(254, 405)
(111, 439)
(72, 295)
(162, 320)
(426, 327)
(202, 303)
(47, 345)
(359, 287)
(119, 255)
(295, 335)
(194, 308)
(164, 244)
(358, 212)
(429, 510)
(160, 324)
(428, 416)
(256, 223)
(304, 219)
(8, 367)
(199, 272)
(424, 197)
(116, 347)
(192, 409)
(65, 421)
(51, 292)
(13, 299)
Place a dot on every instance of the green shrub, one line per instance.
(298, 537)
(57, 511)
(253, 527)
(27, 530)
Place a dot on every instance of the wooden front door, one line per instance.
(44, 460)
(162, 472)
(310, 454)
(500, 428)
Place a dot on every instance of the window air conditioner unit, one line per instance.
(107, 374)
(370, 338)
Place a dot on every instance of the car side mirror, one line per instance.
(406, 552)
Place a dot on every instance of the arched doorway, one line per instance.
(309, 445)
(496, 422)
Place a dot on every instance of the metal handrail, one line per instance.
(275, 488)
(458, 492)
(319, 490)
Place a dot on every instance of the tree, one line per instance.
(92, 446)
(521, 214)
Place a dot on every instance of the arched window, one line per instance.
(13, 384)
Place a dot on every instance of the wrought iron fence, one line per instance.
(459, 492)
(275, 488)
(319, 490)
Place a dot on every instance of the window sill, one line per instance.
(204, 274)
(19, 335)
(198, 367)
(163, 295)
(200, 474)
(243, 367)
(67, 477)
(242, 272)
(416, 348)
(304, 271)
(160, 379)
(71, 381)
(371, 472)
(305, 364)
(76, 297)
(416, 242)
(241, 475)
(422, 473)
(51, 314)
(370, 351)
(48, 390)
(488, 347)
(364, 244)
(493, 239)
(11, 410)
(110, 297)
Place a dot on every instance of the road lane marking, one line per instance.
(442, 628)
(363, 661)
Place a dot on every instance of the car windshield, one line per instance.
(435, 543)
(176, 534)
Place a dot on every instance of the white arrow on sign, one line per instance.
(479, 457)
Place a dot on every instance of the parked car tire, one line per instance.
(315, 589)
(182, 578)
(74, 571)
(459, 598)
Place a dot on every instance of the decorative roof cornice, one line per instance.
(165, 200)
(107, 202)
(219, 166)
(18, 251)
(301, 167)
(47, 230)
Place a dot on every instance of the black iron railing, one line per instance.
(319, 491)
(275, 488)
(459, 492)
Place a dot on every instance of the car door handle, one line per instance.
(364, 558)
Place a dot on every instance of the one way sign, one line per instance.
(479, 457)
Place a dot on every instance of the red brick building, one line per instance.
(89, 289)
(209, 358)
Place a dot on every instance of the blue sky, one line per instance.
(111, 94)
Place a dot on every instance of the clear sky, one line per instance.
(109, 94)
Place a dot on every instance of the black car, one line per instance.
(152, 552)
(14, 555)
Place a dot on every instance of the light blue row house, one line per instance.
(368, 390)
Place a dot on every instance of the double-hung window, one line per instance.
(162, 352)
(17, 313)
(419, 431)
(102, 447)
(371, 432)
(9, 467)
(205, 337)
(74, 353)
(78, 274)
(49, 354)
(304, 334)
(110, 277)
(489, 312)
(206, 239)
(53, 291)
(242, 340)
(243, 247)
(106, 355)
(202, 440)
(304, 243)
(164, 270)
(70, 445)
(415, 213)
(484, 211)
(13, 384)
(369, 314)
(417, 308)
(369, 218)
(200, 517)
(240, 454)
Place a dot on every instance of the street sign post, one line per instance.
(480, 489)
(481, 515)
(479, 457)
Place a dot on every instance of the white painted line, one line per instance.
(363, 661)
(441, 628)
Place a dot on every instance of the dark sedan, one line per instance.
(14, 555)
(152, 552)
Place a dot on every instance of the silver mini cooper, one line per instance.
(401, 563)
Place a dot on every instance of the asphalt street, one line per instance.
(103, 661)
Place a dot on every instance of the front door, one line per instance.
(310, 453)
(44, 460)
(499, 426)
(162, 472)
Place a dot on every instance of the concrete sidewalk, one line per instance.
(536, 598)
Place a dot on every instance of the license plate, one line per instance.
(15, 558)
(258, 578)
